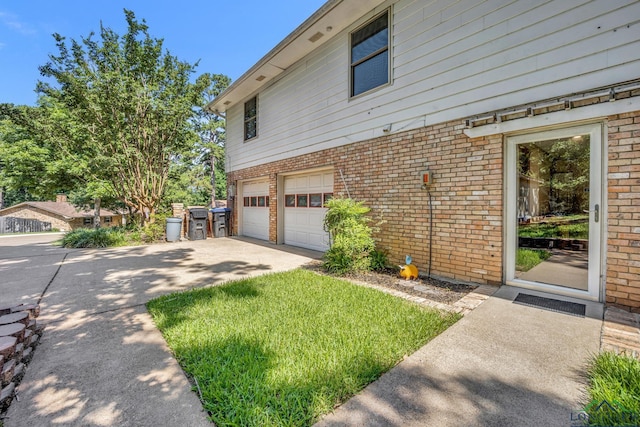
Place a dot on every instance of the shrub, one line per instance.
(94, 238)
(379, 259)
(154, 230)
(350, 234)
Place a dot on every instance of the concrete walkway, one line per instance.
(101, 361)
(503, 364)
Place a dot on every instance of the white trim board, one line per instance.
(589, 112)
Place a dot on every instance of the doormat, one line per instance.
(567, 307)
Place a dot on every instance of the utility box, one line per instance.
(221, 217)
(198, 223)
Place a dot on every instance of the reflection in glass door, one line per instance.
(554, 209)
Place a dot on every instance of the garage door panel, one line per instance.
(303, 226)
(255, 219)
(316, 218)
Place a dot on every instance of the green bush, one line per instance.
(154, 231)
(350, 234)
(94, 238)
(379, 259)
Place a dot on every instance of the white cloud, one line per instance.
(12, 22)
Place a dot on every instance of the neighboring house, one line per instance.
(61, 214)
(524, 113)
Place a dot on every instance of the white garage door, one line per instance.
(255, 209)
(303, 211)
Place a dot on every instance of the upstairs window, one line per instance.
(251, 119)
(370, 55)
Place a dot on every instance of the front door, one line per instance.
(554, 211)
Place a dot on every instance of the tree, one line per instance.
(130, 104)
(34, 142)
(211, 129)
(30, 166)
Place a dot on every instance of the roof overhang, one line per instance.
(333, 17)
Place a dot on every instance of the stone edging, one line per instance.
(19, 335)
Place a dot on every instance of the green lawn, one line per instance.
(285, 348)
(526, 259)
(562, 227)
(614, 380)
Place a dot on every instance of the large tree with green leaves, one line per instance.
(131, 105)
(32, 163)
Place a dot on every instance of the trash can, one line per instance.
(198, 223)
(174, 226)
(221, 221)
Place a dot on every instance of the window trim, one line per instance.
(388, 49)
(249, 119)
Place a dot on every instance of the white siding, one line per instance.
(451, 59)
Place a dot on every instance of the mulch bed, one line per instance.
(442, 291)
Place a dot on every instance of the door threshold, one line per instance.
(593, 309)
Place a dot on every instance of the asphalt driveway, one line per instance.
(101, 361)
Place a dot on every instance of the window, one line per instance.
(290, 200)
(370, 55)
(256, 202)
(251, 119)
(107, 219)
(302, 200)
(87, 220)
(315, 200)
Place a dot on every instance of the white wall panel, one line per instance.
(451, 59)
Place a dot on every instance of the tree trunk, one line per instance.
(1, 197)
(96, 212)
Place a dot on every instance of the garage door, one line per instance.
(303, 211)
(255, 209)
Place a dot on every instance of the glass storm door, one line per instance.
(554, 211)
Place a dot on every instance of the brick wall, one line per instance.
(385, 173)
(39, 214)
(58, 222)
(623, 240)
(467, 198)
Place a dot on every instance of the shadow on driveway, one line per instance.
(101, 360)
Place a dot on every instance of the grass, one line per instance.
(526, 259)
(569, 227)
(615, 379)
(285, 348)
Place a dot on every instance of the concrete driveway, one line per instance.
(101, 361)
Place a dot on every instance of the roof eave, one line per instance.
(333, 17)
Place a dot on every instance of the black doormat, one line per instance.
(573, 308)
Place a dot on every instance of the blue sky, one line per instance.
(228, 37)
